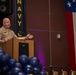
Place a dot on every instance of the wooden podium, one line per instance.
(11, 47)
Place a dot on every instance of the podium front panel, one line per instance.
(30, 47)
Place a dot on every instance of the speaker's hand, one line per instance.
(29, 36)
(6, 39)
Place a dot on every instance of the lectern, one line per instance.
(15, 47)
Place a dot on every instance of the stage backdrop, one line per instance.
(71, 27)
(19, 11)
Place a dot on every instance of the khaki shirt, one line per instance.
(6, 33)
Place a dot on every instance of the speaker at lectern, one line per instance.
(16, 47)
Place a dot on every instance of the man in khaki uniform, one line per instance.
(7, 34)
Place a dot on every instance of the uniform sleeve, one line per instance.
(14, 35)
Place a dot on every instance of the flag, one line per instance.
(71, 28)
(20, 17)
